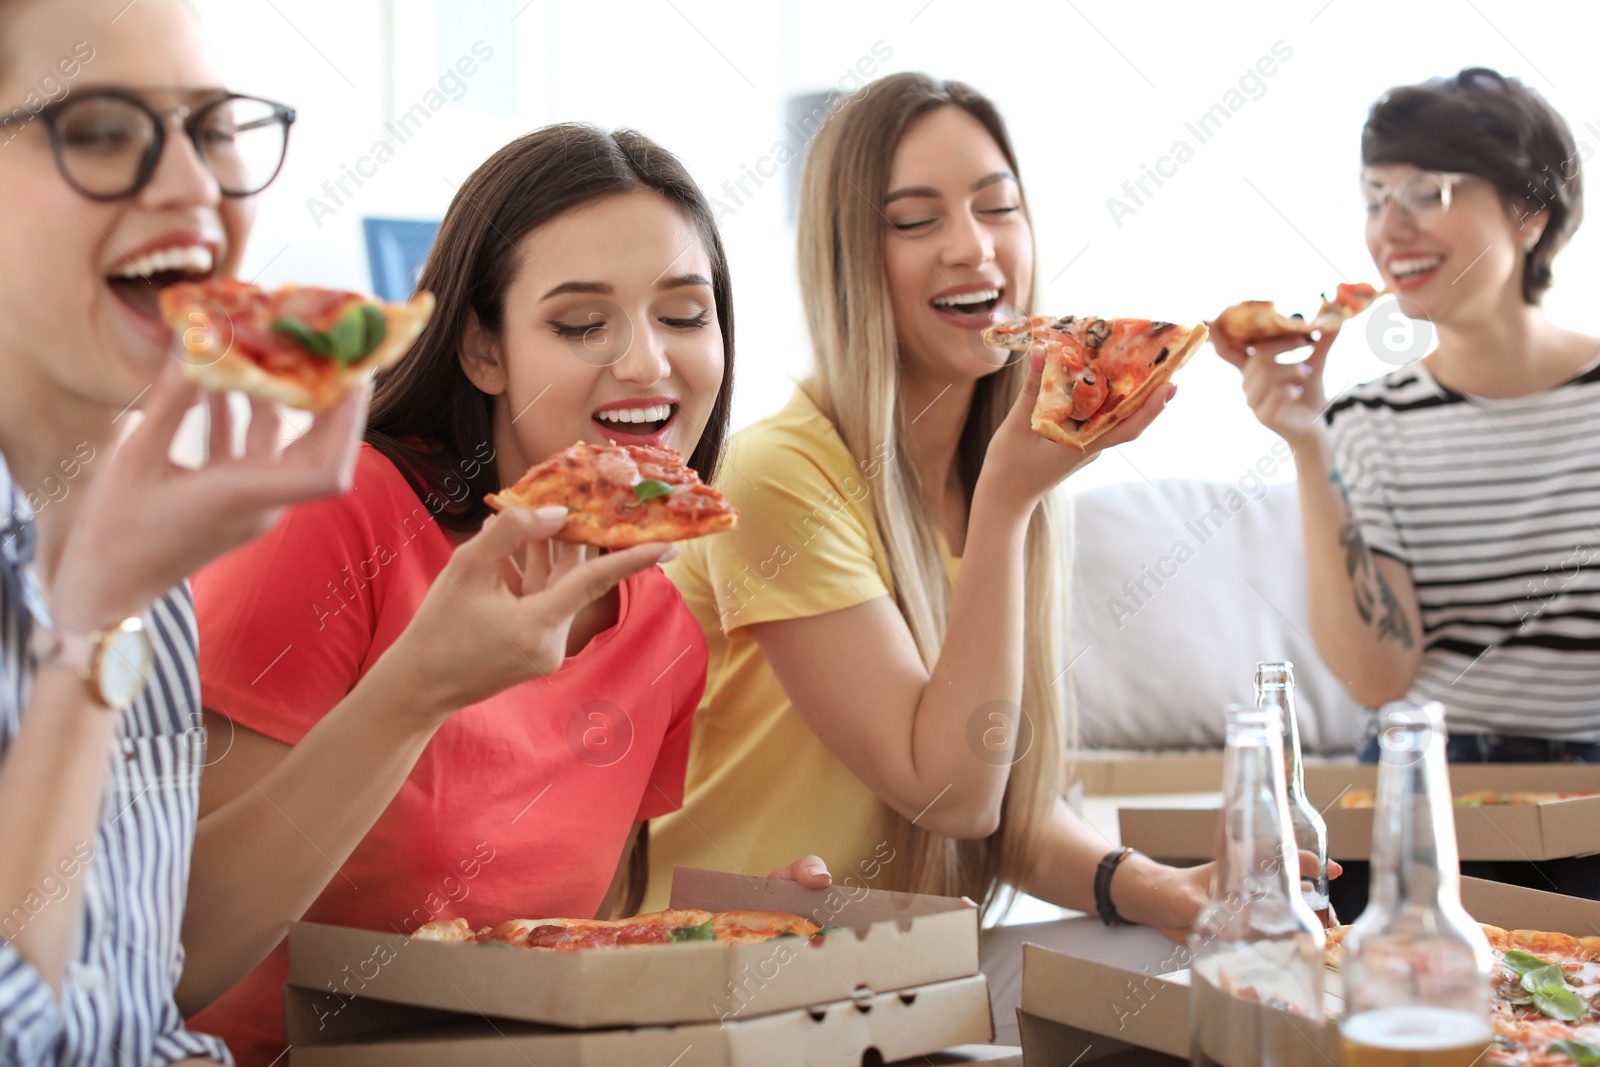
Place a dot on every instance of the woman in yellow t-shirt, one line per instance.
(885, 635)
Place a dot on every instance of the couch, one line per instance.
(1179, 588)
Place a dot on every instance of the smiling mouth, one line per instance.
(975, 304)
(1414, 266)
(138, 281)
(636, 422)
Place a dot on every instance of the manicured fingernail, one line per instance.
(1172, 391)
(669, 555)
(1036, 359)
(1305, 370)
(550, 512)
(815, 869)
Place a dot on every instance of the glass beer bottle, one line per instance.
(1256, 953)
(1416, 966)
(1275, 685)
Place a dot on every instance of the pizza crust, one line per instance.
(226, 370)
(1084, 433)
(1252, 321)
(583, 529)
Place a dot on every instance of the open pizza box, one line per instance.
(912, 1024)
(1099, 1002)
(1156, 774)
(1551, 830)
(893, 942)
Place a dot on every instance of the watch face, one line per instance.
(125, 663)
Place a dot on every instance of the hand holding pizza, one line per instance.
(1026, 466)
(1287, 398)
(499, 612)
(148, 522)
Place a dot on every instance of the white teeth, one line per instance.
(1401, 268)
(195, 259)
(658, 413)
(959, 299)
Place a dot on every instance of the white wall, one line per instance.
(1093, 90)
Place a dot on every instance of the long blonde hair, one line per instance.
(845, 290)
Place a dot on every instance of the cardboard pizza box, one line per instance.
(1077, 1008)
(1552, 830)
(893, 1026)
(896, 941)
(1156, 774)
(1145, 773)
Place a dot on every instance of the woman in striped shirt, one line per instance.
(1450, 508)
(99, 772)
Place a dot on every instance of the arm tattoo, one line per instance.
(1374, 598)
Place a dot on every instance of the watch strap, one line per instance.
(1102, 885)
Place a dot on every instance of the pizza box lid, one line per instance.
(1158, 773)
(1128, 988)
(900, 941)
(1553, 829)
(893, 1026)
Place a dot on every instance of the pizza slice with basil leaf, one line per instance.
(299, 346)
(621, 495)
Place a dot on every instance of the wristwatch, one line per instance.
(115, 663)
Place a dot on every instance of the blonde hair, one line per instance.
(845, 290)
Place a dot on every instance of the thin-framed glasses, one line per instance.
(1424, 196)
(108, 142)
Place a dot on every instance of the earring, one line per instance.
(1529, 244)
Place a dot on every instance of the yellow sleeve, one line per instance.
(805, 544)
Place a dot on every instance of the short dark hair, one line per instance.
(1481, 122)
(427, 416)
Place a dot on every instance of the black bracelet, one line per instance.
(1102, 885)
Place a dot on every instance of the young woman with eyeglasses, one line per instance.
(140, 174)
(98, 628)
(1451, 507)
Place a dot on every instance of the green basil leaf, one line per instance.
(377, 327)
(311, 340)
(1559, 1002)
(649, 488)
(349, 336)
(1543, 977)
(1523, 962)
(703, 932)
(1580, 1052)
(826, 930)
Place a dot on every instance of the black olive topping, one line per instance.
(1162, 358)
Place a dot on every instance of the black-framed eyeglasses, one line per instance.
(108, 142)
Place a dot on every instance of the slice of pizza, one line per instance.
(621, 495)
(299, 346)
(1253, 321)
(1097, 372)
(1349, 300)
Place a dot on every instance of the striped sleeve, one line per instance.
(31, 1021)
(1360, 466)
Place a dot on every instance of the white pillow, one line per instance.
(1179, 588)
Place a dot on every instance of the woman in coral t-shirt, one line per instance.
(581, 288)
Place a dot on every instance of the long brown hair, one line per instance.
(427, 417)
(844, 285)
